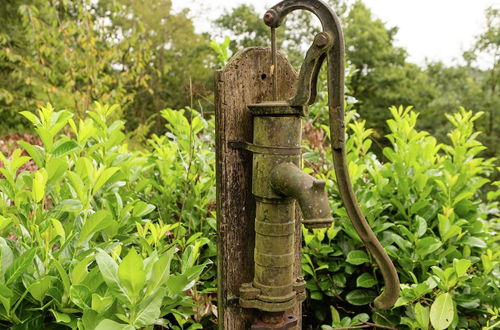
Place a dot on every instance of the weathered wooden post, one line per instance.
(246, 79)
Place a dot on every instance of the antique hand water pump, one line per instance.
(276, 179)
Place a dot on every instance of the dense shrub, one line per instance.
(81, 245)
(424, 203)
(102, 236)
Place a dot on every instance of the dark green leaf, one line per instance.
(360, 297)
(357, 257)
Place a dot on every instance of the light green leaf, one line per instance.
(80, 295)
(109, 271)
(61, 317)
(442, 311)
(96, 222)
(131, 274)
(39, 288)
(80, 271)
(39, 183)
(36, 153)
(177, 283)
(335, 315)
(475, 242)
(461, 266)
(58, 228)
(47, 138)
(141, 209)
(357, 257)
(150, 311)
(103, 178)
(19, 265)
(422, 316)
(65, 148)
(31, 117)
(6, 295)
(77, 184)
(108, 324)
(421, 226)
(161, 270)
(62, 275)
(6, 256)
(101, 304)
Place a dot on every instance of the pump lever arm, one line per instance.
(330, 44)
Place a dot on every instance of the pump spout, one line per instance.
(287, 179)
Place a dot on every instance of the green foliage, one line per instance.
(424, 205)
(99, 236)
(82, 247)
(381, 74)
(71, 53)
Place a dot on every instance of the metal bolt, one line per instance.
(321, 39)
(268, 18)
(271, 18)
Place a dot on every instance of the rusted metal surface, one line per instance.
(275, 321)
(274, 288)
(289, 180)
(330, 45)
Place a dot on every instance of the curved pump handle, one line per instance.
(329, 44)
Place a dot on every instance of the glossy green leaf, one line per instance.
(360, 297)
(357, 257)
(80, 271)
(39, 288)
(36, 153)
(108, 324)
(61, 317)
(150, 311)
(19, 265)
(422, 316)
(427, 245)
(461, 266)
(131, 274)
(104, 176)
(101, 304)
(141, 209)
(176, 284)
(366, 280)
(55, 169)
(65, 148)
(31, 117)
(161, 270)
(94, 223)
(39, 184)
(442, 311)
(80, 295)
(108, 269)
(6, 295)
(421, 226)
(6, 257)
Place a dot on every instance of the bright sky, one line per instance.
(428, 29)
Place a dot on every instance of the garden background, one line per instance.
(107, 185)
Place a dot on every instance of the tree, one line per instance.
(180, 60)
(487, 47)
(72, 53)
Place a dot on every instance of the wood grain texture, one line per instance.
(246, 79)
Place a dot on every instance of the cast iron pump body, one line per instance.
(277, 181)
